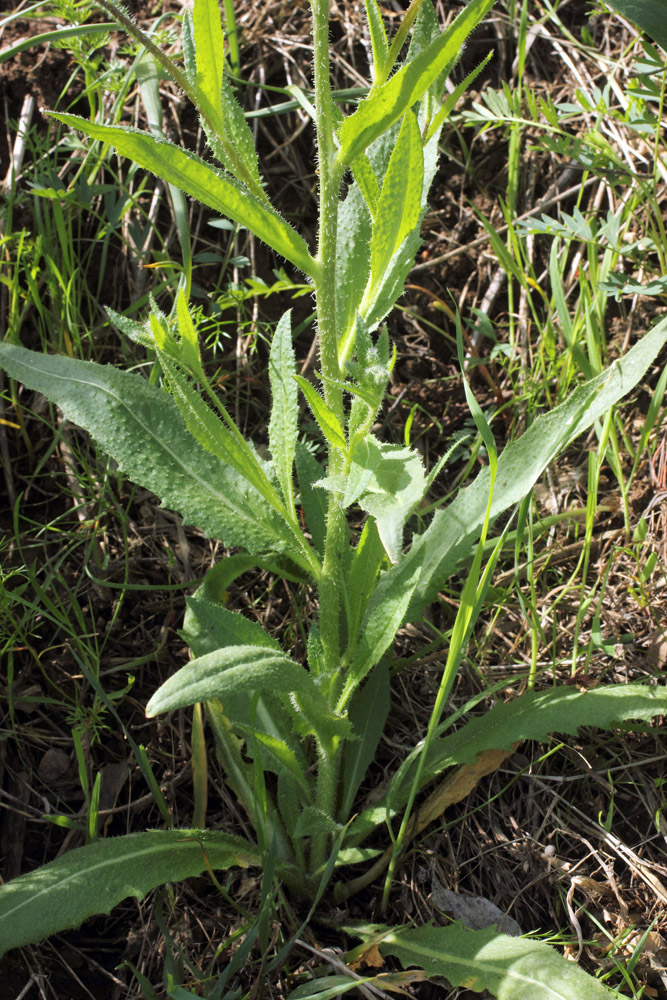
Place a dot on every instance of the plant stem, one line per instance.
(331, 579)
(330, 174)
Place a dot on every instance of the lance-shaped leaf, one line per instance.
(532, 716)
(368, 712)
(227, 131)
(140, 426)
(649, 15)
(208, 626)
(283, 424)
(364, 175)
(327, 420)
(452, 533)
(238, 670)
(379, 42)
(510, 968)
(230, 671)
(202, 181)
(225, 441)
(313, 500)
(210, 58)
(240, 137)
(95, 878)
(400, 204)
(389, 102)
(379, 626)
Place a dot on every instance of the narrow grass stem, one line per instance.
(468, 609)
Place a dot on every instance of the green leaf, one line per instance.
(364, 565)
(327, 420)
(313, 821)
(354, 240)
(224, 573)
(364, 175)
(202, 181)
(368, 713)
(95, 878)
(210, 58)
(284, 755)
(649, 15)
(283, 424)
(400, 204)
(352, 260)
(239, 135)
(510, 968)
(189, 339)
(532, 716)
(229, 671)
(379, 42)
(452, 533)
(535, 715)
(381, 622)
(210, 626)
(140, 426)
(329, 987)
(225, 442)
(364, 460)
(313, 500)
(395, 487)
(388, 103)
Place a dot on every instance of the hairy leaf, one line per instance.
(229, 671)
(532, 716)
(376, 30)
(400, 203)
(313, 500)
(649, 15)
(394, 488)
(202, 181)
(510, 968)
(381, 622)
(209, 626)
(140, 426)
(283, 424)
(368, 713)
(327, 420)
(210, 58)
(453, 532)
(389, 102)
(95, 878)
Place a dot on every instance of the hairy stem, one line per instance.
(330, 175)
(331, 579)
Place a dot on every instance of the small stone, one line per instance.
(656, 653)
(53, 766)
